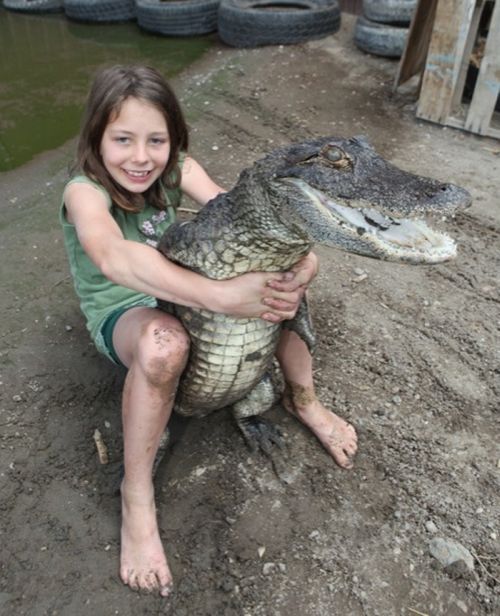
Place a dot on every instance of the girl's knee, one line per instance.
(163, 349)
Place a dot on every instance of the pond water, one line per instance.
(46, 65)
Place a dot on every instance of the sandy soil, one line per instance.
(408, 354)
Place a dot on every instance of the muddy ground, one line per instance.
(408, 354)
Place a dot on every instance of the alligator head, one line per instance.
(341, 193)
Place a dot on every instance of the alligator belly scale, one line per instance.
(228, 357)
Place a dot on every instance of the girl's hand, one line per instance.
(299, 277)
(251, 295)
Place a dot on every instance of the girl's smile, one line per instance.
(135, 145)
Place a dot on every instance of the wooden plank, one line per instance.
(417, 42)
(488, 81)
(444, 60)
(459, 123)
(464, 67)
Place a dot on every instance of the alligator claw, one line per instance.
(260, 434)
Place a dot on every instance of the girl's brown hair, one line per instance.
(111, 87)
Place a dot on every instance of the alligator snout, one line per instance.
(448, 198)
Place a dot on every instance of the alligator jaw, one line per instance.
(377, 234)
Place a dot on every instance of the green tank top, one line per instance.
(98, 296)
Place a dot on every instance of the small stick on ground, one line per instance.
(483, 566)
(410, 609)
(102, 450)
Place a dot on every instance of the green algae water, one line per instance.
(46, 65)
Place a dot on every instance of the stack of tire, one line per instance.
(178, 17)
(383, 28)
(34, 6)
(100, 11)
(242, 23)
(249, 23)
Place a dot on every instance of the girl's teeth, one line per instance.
(138, 174)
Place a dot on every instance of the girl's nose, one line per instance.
(140, 153)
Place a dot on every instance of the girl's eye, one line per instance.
(122, 139)
(158, 141)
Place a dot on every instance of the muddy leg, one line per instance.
(155, 348)
(336, 435)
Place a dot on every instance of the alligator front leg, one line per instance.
(258, 432)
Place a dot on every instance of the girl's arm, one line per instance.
(143, 268)
(197, 184)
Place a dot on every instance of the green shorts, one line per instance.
(107, 333)
(104, 338)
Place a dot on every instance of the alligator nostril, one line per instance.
(444, 187)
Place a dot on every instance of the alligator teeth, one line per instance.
(404, 237)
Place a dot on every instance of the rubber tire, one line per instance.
(35, 6)
(380, 39)
(178, 18)
(389, 11)
(100, 11)
(249, 23)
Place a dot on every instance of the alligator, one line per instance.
(332, 191)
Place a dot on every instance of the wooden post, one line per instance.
(469, 46)
(444, 61)
(488, 81)
(417, 42)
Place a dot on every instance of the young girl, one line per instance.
(133, 164)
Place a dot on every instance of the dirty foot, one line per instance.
(143, 564)
(336, 435)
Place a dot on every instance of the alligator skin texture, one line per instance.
(227, 359)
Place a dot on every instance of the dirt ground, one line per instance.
(408, 354)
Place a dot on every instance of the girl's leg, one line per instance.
(335, 434)
(154, 347)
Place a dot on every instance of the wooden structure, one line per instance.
(440, 43)
(417, 42)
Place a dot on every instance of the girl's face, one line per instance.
(135, 145)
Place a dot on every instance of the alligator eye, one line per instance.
(333, 153)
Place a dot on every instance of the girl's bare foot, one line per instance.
(143, 564)
(336, 435)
